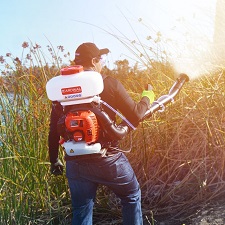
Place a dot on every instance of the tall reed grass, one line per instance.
(27, 190)
(178, 154)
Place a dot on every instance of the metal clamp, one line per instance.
(162, 108)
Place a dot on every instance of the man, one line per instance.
(112, 169)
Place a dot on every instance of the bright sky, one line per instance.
(56, 21)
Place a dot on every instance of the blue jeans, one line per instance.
(114, 172)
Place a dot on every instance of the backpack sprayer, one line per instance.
(81, 126)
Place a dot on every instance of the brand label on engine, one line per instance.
(71, 90)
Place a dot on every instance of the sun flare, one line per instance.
(192, 30)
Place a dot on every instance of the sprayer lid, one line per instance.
(71, 70)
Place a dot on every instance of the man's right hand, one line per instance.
(149, 94)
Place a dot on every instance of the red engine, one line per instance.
(83, 125)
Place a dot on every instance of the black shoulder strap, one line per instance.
(57, 107)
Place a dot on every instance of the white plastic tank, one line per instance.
(74, 86)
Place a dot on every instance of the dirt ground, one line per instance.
(208, 215)
(212, 216)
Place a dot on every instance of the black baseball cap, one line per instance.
(88, 51)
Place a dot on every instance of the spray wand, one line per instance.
(118, 132)
(161, 102)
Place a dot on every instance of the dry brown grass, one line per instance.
(178, 155)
